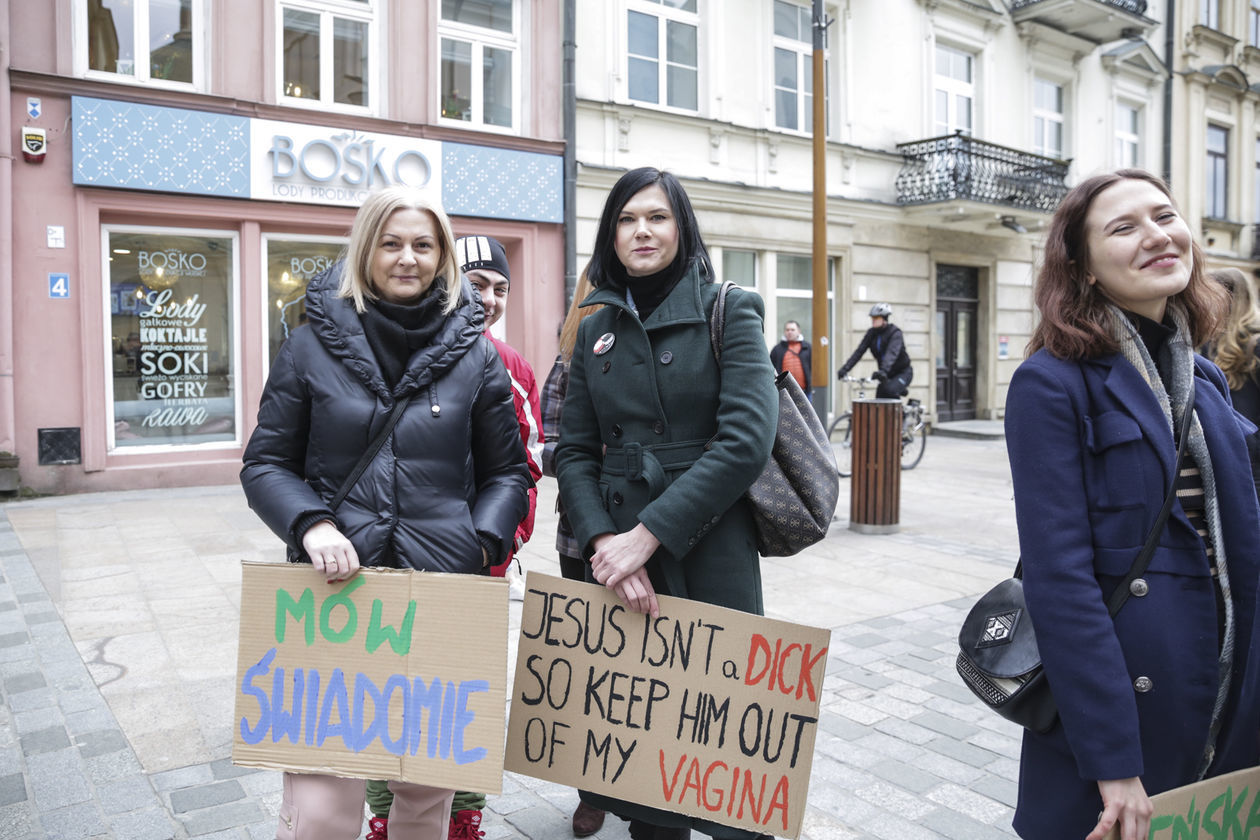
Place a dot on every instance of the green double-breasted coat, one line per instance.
(653, 432)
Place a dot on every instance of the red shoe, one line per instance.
(378, 829)
(466, 825)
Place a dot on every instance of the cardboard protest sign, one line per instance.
(1224, 808)
(703, 711)
(379, 677)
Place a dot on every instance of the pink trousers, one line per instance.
(331, 808)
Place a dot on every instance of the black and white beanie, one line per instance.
(481, 252)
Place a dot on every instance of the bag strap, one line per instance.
(717, 320)
(1140, 564)
(373, 448)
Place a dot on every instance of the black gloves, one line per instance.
(842, 374)
(879, 376)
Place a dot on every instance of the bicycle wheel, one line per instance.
(913, 442)
(841, 438)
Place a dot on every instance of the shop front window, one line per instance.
(172, 323)
(292, 262)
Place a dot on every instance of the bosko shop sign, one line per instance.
(320, 165)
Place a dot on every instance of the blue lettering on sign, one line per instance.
(302, 706)
(359, 164)
(59, 286)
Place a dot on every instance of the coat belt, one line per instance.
(648, 463)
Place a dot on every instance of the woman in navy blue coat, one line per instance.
(1164, 694)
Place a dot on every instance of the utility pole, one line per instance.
(821, 374)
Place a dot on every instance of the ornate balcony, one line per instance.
(1099, 21)
(962, 170)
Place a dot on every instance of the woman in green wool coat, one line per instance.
(657, 442)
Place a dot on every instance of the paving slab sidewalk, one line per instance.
(118, 623)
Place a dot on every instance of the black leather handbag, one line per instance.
(795, 496)
(998, 657)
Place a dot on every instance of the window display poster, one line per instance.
(171, 332)
(291, 265)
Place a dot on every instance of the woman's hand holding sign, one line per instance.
(618, 564)
(330, 551)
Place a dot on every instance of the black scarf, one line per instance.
(396, 331)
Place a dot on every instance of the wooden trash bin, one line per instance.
(875, 496)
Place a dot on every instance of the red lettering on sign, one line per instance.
(772, 666)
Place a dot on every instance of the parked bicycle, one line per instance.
(913, 431)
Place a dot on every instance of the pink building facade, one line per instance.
(201, 160)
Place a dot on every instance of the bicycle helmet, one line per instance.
(881, 310)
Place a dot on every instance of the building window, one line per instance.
(327, 54)
(666, 29)
(1253, 24)
(794, 294)
(1217, 171)
(955, 91)
(794, 67)
(1210, 13)
(1255, 209)
(1128, 135)
(292, 262)
(479, 34)
(740, 267)
(172, 323)
(142, 40)
(1047, 118)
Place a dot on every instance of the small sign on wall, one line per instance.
(59, 286)
(1004, 346)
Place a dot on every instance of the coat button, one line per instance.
(616, 430)
(1143, 684)
(667, 357)
(607, 365)
(617, 498)
(658, 427)
(691, 541)
(1139, 588)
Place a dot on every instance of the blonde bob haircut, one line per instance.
(356, 278)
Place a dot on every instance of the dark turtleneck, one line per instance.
(396, 331)
(651, 289)
(1155, 336)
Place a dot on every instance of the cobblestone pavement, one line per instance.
(118, 633)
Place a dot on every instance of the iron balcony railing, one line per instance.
(958, 167)
(1255, 242)
(1137, 7)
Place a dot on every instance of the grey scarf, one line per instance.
(1181, 373)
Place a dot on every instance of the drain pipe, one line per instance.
(569, 84)
(1169, 44)
(8, 421)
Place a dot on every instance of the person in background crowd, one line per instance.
(658, 442)
(889, 349)
(792, 354)
(586, 820)
(393, 321)
(1235, 350)
(1165, 693)
(483, 261)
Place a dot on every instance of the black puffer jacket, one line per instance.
(454, 465)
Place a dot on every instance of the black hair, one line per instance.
(605, 265)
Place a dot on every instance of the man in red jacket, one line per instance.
(483, 260)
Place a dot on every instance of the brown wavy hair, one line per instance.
(1075, 322)
(1235, 350)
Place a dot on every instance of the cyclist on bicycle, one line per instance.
(889, 349)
